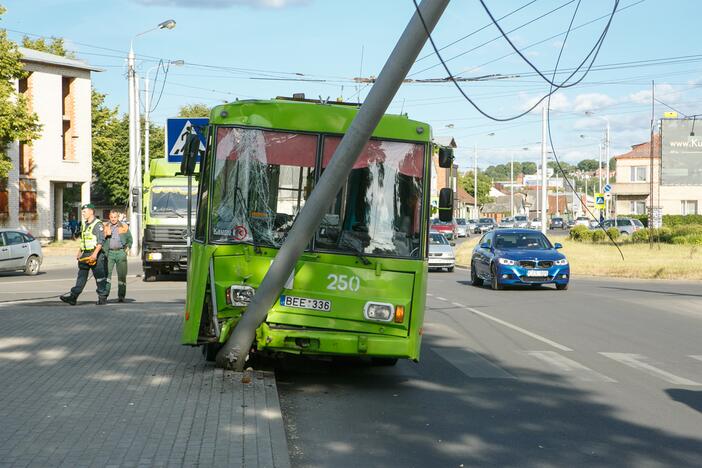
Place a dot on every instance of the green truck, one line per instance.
(164, 247)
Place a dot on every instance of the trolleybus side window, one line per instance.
(261, 181)
(379, 209)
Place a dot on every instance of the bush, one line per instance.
(663, 234)
(598, 235)
(686, 230)
(613, 233)
(690, 239)
(677, 220)
(580, 233)
(642, 235)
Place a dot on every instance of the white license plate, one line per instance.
(540, 273)
(305, 303)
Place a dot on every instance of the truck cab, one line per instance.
(164, 248)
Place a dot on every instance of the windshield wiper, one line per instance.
(348, 243)
(171, 210)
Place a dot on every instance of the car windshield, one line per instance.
(520, 218)
(437, 239)
(460, 221)
(637, 223)
(170, 201)
(521, 241)
(486, 220)
(558, 220)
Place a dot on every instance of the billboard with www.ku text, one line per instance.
(681, 152)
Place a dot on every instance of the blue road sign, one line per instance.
(176, 129)
(599, 201)
(607, 188)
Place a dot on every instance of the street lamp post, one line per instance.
(135, 182)
(606, 152)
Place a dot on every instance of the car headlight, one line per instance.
(506, 261)
(378, 311)
(561, 262)
(240, 295)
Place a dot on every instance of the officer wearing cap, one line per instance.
(90, 257)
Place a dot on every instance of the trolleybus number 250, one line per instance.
(344, 283)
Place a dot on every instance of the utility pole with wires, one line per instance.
(475, 180)
(544, 178)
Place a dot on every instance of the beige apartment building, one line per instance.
(633, 187)
(58, 90)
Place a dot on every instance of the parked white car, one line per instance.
(535, 224)
(441, 253)
(521, 221)
(19, 251)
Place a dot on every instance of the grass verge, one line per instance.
(664, 261)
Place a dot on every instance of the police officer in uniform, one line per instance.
(90, 257)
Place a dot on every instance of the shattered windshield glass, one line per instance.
(379, 209)
(261, 181)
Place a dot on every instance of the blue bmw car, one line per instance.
(518, 257)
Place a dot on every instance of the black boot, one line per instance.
(120, 299)
(102, 300)
(68, 298)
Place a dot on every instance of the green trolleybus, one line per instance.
(360, 287)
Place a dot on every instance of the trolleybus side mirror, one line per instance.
(446, 204)
(191, 150)
(445, 157)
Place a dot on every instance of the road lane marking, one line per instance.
(458, 305)
(519, 329)
(441, 298)
(636, 361)
(698, 357)
(472, 364)
(429, 294)
(562, 363)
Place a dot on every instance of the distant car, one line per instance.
(462, 229)
(626, 226)
(535, 224)
(441, 253)
(521, 221)
(570, 223)
(582, 221)
(593, 224)
(518, 257)
(485, 225)
(19, 251)
(448, 229)
(557, 223)
(506, 223)
(472, 223)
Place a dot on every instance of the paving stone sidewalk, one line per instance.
(112, 386)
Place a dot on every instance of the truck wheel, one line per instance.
(149, 275)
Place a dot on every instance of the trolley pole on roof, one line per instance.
(234, 352)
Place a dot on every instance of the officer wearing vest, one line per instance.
(90, 257)
(118, 240)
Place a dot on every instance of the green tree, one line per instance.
(56, 46)
(194, 110)
(484, 183)
(110, 152)
(528, 168)
(588, 165)
(17, 123)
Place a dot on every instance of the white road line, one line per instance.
(441, 298)
(472, 364)
(698, 357)
(636, 361)
(28, 281)
(562, 363)
(519, 329)
(429, 294)
(458, 305)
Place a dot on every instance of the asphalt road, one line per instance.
(608, 373)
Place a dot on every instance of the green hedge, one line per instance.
(669, 220)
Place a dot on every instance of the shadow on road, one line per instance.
(432, 414)
(691, 398)
(652, 291)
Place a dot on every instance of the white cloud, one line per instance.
(559, 102)
(664, 91)
(221, 4)
(591, 101)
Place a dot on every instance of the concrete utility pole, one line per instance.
(544, 179)
(234, 352)
(511, 184)
(475, 181)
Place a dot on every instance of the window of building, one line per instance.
(688, 207)
(637, 207)
(28, 196)
(638, 173)
(67, 112)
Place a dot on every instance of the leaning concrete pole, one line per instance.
(233, 353)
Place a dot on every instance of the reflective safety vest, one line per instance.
(88, 240)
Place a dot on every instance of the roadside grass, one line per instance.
(663, 261)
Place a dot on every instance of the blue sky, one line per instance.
(241, 48)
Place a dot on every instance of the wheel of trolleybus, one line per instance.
(210, 351)
(474, 279)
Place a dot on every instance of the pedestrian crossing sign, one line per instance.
(599, 201)
(176, 129)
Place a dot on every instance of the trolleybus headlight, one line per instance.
(239, 295)
(378, 311)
